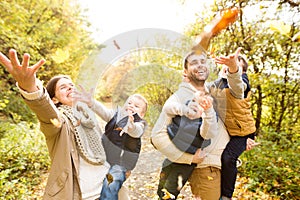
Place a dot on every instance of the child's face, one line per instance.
(135, 105)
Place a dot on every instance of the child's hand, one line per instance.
(129, 126)
(206, 102)
(250, 144)
(230, 61)
(84, 96)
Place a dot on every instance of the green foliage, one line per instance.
(53, 30)
(273, 58)
(273, 166)
(156, 96)
(145, 80)
(23, 159)
(13, 106)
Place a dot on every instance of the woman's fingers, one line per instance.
(37, 65)
(6, 62)
(14, 58)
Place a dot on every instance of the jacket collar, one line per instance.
(190, 87)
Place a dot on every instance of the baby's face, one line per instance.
(135, 105)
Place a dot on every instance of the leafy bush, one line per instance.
(13, 106)
(273, 167)
(156, 96)
(23, 160)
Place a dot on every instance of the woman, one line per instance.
(73, 136)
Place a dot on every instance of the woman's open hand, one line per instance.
(24, 74)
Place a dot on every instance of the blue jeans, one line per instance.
(114, 180)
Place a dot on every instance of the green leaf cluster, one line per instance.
(269, 41)
(24, 159)
(272, 167)
(55, 30)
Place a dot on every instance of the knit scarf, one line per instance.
(87, 133)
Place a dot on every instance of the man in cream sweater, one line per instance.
(206, 178)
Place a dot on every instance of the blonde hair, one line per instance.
(141, 97)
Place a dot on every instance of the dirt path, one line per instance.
(143, 181)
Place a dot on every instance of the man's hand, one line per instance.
(199, 156)
(194, 110)
(22, 73)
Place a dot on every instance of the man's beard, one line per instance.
(197, 80)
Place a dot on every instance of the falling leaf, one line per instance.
(167, 195)
(109, 178)
(56, 122)
(60, 56)
(212, 52)
(210, 178)
(118, 129)
(222, 21)
(280, 27)
(116, 45)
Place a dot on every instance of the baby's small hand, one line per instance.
(206, 102)
(129, 126)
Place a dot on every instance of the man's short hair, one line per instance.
(193, 52)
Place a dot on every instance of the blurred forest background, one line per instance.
(58, 32)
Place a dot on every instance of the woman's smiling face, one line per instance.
(64, 92)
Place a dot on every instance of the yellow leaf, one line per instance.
(60, 55)
(56, 122)
(280, 27)
(109, 178)
(275, 183)
(167, 195)
(210, 178)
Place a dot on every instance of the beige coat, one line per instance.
(63, 178)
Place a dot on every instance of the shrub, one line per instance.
(23, 159)
(12, 106)
(273, 167)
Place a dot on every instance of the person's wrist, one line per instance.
(29, 89)
(32, 89)
(233, 70)
(91, 103)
